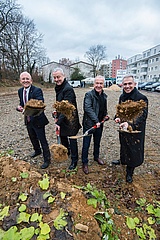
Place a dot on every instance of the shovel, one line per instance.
(90, 130)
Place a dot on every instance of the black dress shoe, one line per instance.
(73, 166)
(116, 162)
(85, 168)
(100, 162)
(45, 165)
(129, 179)
(34, 154)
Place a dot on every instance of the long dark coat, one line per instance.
(67, 127)
(132, 144)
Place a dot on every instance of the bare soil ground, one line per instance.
(111, 179)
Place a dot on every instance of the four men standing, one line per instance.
(95, 111)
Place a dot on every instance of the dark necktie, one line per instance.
(25, 100)
(25, 96)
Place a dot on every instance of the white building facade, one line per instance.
(145, 67)
(86, 70)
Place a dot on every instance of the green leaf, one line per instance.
(152, 234)
(131, 223)
(22, 208)
(157, 212)
(24, 175)
(141, 202)
(27, 233)
(136, 220)
(1, 233)
(92, 202)
(99, 217)
(140, 233)
(60, 220)
(89, 187)
(45, 228)
(103, 227)
(44, 184)
(22, 197)
(34, 217)
(12, 234)
(51, 200)
(150, 209)
(151, 220)
(23, 217)
(62, 195)
(4, 212)
(46, 195)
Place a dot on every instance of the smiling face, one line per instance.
(25, 79)
(128, 84)
(99, 84)
(58, 77)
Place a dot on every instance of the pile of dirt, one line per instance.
(114, 87)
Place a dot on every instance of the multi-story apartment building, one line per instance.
(118, 64)
(145, 66)
(106, 70)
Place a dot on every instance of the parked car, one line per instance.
(147, 84)
(140, 86)
(75, 83)
(154, 85)
(150, 86)
(157, 89)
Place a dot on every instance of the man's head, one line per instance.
(25, 79)
(128, 83)
(58, 76)
(99, 83)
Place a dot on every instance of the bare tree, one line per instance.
(95, 55)
(8, 8)
(20, 42)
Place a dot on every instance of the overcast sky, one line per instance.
(71, 27)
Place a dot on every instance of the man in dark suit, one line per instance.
(35, 125)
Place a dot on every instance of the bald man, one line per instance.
(35, 125)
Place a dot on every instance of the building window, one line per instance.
(157, 59)
(156, 67)
(155, 51)
(152, 60)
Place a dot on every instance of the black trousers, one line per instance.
(97, 134)
(130, 170)
(71, 145)
(38, 137)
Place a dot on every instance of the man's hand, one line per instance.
(19, 108)
(124, 125)
(98, 124)
(106, 118)
(117, 120)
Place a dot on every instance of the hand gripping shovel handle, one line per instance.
(89, 131)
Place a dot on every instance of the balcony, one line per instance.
(144, 65)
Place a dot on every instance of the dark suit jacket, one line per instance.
(34, 93)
